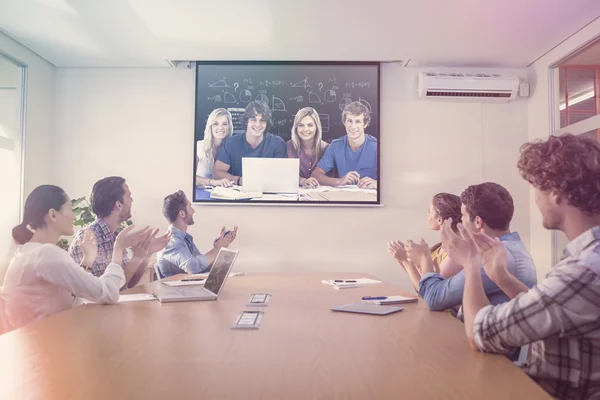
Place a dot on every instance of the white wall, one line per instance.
(39, 128)
(138, 123)
(541, 111)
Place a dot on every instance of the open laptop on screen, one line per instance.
(271, 175)
(212, 287)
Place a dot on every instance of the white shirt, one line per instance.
(42, 279)
(204, 168)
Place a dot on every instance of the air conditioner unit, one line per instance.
(484, 87)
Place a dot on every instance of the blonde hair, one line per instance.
(209, 144)
(308, 112)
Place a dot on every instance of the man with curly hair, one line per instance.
(560, 317)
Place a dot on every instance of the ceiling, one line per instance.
(101, 33)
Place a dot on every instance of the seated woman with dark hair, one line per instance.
(408, 255)
(42, 279)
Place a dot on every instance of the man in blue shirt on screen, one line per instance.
(256, 142)
(353, 155)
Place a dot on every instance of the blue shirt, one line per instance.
(440, 294)
(235, 147)
(340, 156)
(181, 256)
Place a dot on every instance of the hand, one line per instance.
(460, 247)
(493, 255)
(129, 238)
(225, 238)
(222, 182)
(89, 247)
(351, 178)
(396, 250)
(367, 183)
(141, 251)
(415, 252)
(159, 243)
(310, 183)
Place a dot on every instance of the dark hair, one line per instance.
(258, 107)
(173, 204)
(357, 108)
(41, 200)
(448, 206)
(566, 164)
(490, 202)
(105, 194)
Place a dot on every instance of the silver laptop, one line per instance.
(211, 288)
(271, 175)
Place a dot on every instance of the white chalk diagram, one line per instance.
(245, 96)
(314, 98)
(344, 102)
(278, 104)
(330, 96)
(366, 103)
(324, 122)
(263, 98)
(219, 84)
(216, 98)
(303, 84)
(228, 98)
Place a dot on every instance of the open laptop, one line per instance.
(271, 175)
(212, 287)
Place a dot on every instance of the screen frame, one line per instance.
(221, 202)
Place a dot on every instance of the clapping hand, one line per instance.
(493, 256)
(460, 246)
(89, 247)
(416, 251)
(397, 250)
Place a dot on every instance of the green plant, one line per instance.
(82, 211)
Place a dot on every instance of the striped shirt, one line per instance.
(106, 243)
(560, 317)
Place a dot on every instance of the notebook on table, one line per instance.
(209, 291)
(383, 300)
(363, 308)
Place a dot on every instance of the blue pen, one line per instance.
(226, 233)
(374, 298)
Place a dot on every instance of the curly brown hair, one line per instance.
(566, 164)
(491, 202)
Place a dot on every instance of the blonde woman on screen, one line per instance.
(307, 144)
(218, 128)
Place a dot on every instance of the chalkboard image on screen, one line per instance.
(310, 99)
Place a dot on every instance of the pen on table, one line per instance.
(344, 281)
(374, 298)
(193, 279)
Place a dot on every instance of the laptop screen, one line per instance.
(220, 270)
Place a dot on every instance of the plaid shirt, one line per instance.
(106, 243)
(560, 317)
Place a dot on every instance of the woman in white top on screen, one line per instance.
(219, 127)
(42, 279)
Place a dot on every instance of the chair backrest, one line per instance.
(157, 271)
(3, 323)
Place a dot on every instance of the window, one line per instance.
(12, 82)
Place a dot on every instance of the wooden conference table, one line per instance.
(149, 350)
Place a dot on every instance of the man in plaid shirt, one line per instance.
(559, 317)
(111, 202)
